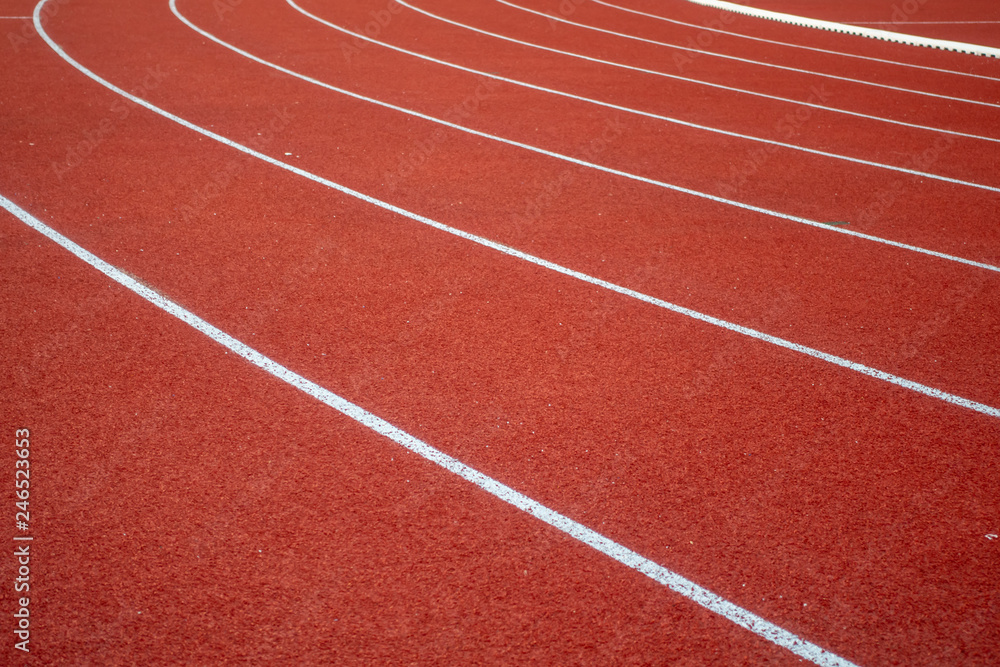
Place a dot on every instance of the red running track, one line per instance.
(191, 508)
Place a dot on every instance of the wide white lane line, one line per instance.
(699, 82)
(713, 54)
(675, 582)
(795, 46)
(573, 160)
(902, 38)
(513, 252)
(646, 114)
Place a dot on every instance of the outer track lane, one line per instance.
(975, 21)
(683, 255)
(427, 348)
(681, 42)
(896, 107)
(750, 171)
(359, 40)
(688, 11)
(724, 29)
(767, 118)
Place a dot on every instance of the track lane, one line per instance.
(686, 101)
(685, 10)
(826, 333)
(715, 32)
(583, 163)
(276, 333)
(714, 28)
(681, 278)
(691, 51)
(748, 172)
(228, 477)
(626, 55)
(359, 40)
(255, 497)
(421, 93)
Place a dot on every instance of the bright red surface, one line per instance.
(193, 509)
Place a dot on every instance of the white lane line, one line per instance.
(690, 49)
(675, 582)
(647, 114)
(885, 35)
(512, 252)
(572, 160)
(856, 114)
(15, 18)
(708, 28)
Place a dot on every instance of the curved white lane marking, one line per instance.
(796, 46)
(712, 54)
(513, 252)
(885, 35)
(743, 91)
(573, 160)
(675, 582)
(647, 114)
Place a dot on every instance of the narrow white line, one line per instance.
(14, 18)
(637, 112)
(699, 82)
(512, 252)
(898, 37)
(675, 582)
(797, 46)
(896, 23)
(572, 160)
(747, 60)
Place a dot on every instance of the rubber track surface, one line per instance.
(188, 508)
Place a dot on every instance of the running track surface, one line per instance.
(188, 507)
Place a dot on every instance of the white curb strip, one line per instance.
(913, 40)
